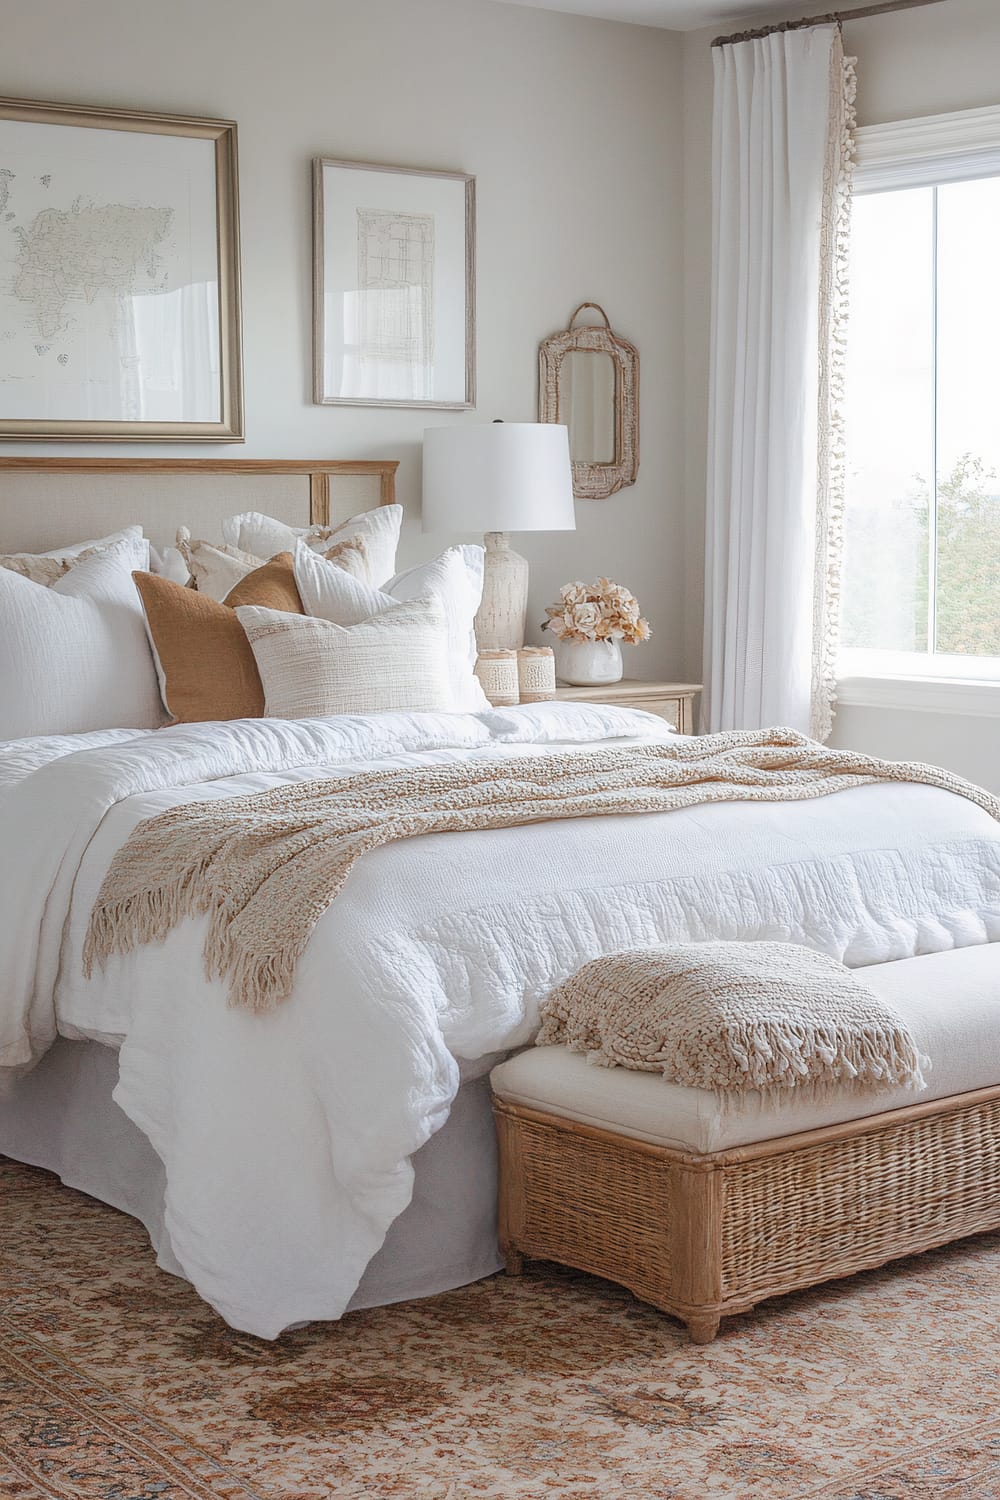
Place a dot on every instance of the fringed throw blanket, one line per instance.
(265, 867)
(734, 1016)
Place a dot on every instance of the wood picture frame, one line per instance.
(394, 286)
(119, 275)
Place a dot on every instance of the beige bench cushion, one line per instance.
(951, 1001)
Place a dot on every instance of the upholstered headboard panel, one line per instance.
(45, 502)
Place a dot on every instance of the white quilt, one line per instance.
(286, 1137)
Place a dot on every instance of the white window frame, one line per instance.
(906, 154)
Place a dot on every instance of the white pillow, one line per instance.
(127, 533)
(455, 579)
(312, 668)
(75, 656)
(263, 536)
(169, 564)
(47, 567)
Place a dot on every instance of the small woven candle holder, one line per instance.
(497, 671)
(536, 674)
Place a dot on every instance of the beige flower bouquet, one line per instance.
(589, 622)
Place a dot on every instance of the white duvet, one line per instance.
(286, 1137)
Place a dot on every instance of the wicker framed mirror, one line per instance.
(588, 378)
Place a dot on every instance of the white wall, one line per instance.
(917, 62)
(573, 129)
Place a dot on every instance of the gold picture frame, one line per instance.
(119, 276)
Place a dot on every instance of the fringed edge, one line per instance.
(821, 1057)
(811, 1061)
(148, 916)
(257, 982)
(832, 455)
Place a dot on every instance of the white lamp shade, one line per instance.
(498, 476)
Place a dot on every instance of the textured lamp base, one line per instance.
(500, 621)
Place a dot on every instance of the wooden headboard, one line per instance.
(46, 502)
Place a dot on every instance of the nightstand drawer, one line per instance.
(671, 709)
(678, 711)
(673, 701)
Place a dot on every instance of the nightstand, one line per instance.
(673, 701)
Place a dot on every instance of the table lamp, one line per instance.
(499, 477)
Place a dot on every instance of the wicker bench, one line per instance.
(599, 1169)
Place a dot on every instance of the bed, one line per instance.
(338, 1152)
(62, 1115)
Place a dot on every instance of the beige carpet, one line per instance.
(116, 1383)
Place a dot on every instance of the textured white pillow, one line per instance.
(169, 564)
(73, 549)
(75, 656)
(47, 567)
(455, 579)
(263, 536)
(312, 668)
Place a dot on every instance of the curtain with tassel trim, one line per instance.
(783, 146)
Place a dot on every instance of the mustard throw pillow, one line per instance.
(205, 663)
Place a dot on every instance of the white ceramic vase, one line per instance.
(588, 663)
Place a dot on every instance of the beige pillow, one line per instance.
(47, 568)
(205, 664)
(40, 569)
(397, 660)
(215, 570)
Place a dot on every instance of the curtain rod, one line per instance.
(837, 16)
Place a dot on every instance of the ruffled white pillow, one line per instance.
(47, 567)
(455, 579)
(263, 536)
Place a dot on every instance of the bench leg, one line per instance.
(513, 1262)
(703, 1330)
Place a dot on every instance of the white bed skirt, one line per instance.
(62, 1117)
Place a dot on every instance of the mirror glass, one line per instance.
(588, 379)
(587, 405)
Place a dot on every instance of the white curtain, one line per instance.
(782, 148)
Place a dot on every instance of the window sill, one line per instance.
(933, 695)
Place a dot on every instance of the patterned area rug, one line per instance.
(116, 1383)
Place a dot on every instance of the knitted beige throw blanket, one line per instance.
(734, 1016)
(266, 866)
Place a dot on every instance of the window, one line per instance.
(921, 578)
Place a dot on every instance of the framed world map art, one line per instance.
(119, 276)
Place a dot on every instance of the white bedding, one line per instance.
(286, 1137)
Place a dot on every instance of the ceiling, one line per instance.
(680, 15)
